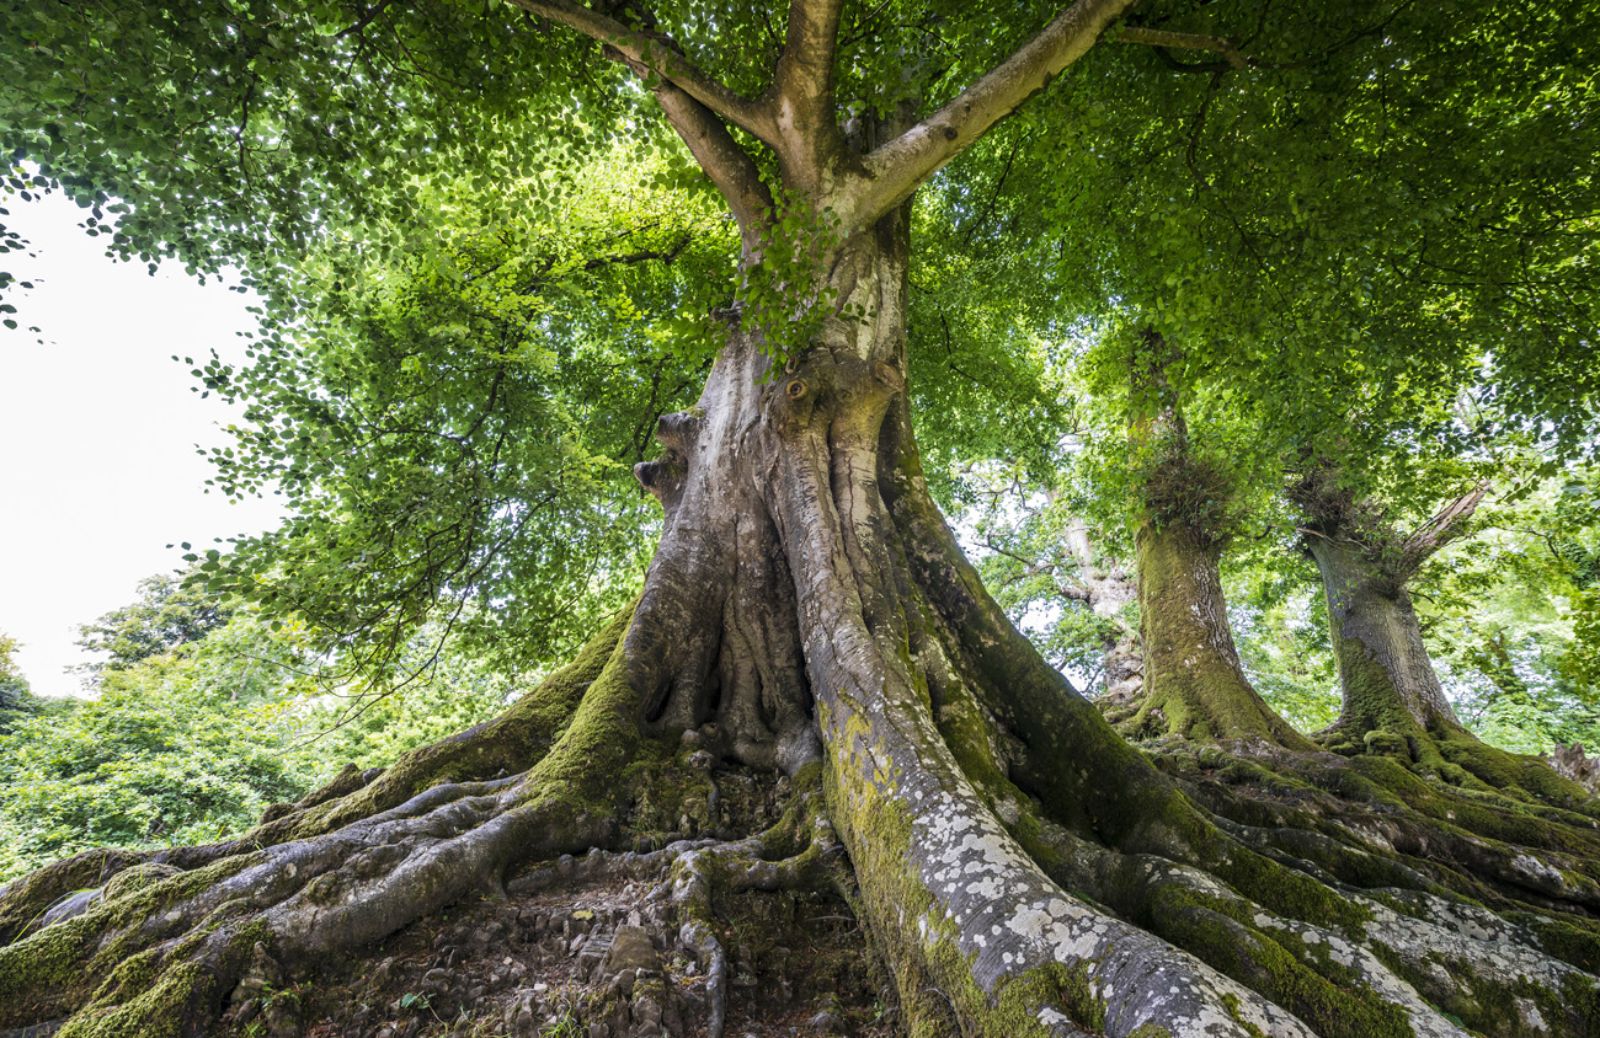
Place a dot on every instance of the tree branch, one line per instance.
(658, 56)
(1436, 532)
(895, 169)
(1182, 41)
(729, 166)
(804, 81)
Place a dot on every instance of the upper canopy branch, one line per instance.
(893, 170)
(1182, 41)
(729, 166)
(659, 56)
(1436, 532)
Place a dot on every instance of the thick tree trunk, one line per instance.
(1390, 688)
(1021, 870)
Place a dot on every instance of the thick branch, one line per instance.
(804, 81)
(728, 165)
(659, 57)
(1438, 531)
(1182, 41)
(895, 169)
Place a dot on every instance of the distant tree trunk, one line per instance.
(1194, 685)
(1109, 592)
(1388, 680)
(1393, 704)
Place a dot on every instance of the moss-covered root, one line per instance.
(27, 901)
(421, 781)
(155, 960)
(507, 744)
(957, 904)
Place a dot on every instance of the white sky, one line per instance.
(98, 471)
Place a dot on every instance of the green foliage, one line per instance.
(166, 615)
(1020, 541)
(191, 743)
(16, 699)
(171, 751)
(453, 427)
(1511, 614)
(784, 295)
(485, 270)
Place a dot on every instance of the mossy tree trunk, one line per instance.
(1392, 702)
(1020, 869)
(1390, 689)
(1194, 685)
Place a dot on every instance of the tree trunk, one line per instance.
(1194, 685)
(1020, 869)
(1110, 593)
(1390, 688)
(1393, 704)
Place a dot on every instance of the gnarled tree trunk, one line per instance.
(1021, 869)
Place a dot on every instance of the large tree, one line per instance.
(807, 611)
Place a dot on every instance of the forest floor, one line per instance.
(589, 958)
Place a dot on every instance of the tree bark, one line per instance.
(1110, 592)
(1390, 688)
(1022, 871)
(1194, 685)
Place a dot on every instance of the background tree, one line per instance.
(15, 697)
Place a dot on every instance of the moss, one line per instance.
(1494, 1007)
(1290, 893)
(57, 966)
(1230, 1001)
(138, 877)
(28, 898)
(1279, 965)
(1573, 940)
(597, 746)
(167, 1009)
(1194, 686)
(1387, 744)
(1018, 1000)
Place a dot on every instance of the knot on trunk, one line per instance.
(678, 430)
(851, 393)
(663, 477)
